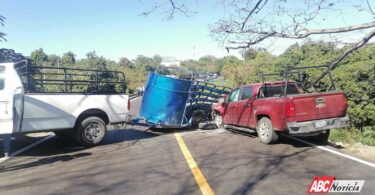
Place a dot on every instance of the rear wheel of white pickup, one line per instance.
(265, 131)
(91, 131)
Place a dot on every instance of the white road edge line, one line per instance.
(333, 151)
(13, 154)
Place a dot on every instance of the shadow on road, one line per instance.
(62, 149)
(65, 145)
(283, 139)
(44, 161)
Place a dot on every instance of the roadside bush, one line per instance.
(368, 136)
(352, 135)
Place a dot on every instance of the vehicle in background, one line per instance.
(70, 102)
(278, 107)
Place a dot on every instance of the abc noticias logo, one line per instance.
(326, 184)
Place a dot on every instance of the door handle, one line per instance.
(247, 105)
(235, 105)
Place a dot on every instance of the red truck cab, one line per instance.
(267, 109)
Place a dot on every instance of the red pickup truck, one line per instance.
(267, 109)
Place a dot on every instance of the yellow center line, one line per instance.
(199, 178)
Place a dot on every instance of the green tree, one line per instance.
(53, 60)
(68, 58)
(9, 55)
(147, 63)
(38, 57)
(249, 54)
(231, 71)
(356, 79)
(125, 62)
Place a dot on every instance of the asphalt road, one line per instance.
(140, 161)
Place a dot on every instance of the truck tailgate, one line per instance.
(319, 106)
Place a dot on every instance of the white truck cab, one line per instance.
(82, 114)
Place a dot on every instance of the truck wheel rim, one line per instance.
(264, 131)
(92, 132)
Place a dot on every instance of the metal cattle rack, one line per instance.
(301, 75)
(50, 79)
(205, 93)
(201, 97)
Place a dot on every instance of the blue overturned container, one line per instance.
(164, 101)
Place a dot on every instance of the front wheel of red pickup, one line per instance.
(265, 131)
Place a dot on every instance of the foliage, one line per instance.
(356, 78)
(9, 55)
(68, 58)
(38, 57)
(125, 62)
(147, 63)
(206, 63)
(352, 135)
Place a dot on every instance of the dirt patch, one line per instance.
(360, 150)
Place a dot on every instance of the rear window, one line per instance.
(277, 91)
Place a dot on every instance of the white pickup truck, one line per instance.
(70, 102)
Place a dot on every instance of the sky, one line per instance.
(112, 28)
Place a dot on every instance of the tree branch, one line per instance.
(311, 32)
(370, 8)
(245, 45)
(174, 8)
(251, 12)
(333, 64)
(2, 35)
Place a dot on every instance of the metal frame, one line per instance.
(206, 92)
(201, 97)
(298, 70)
(43, 76)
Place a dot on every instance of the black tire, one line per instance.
(91, 131)
(198, 117)
(322, 137)
(265, 131)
